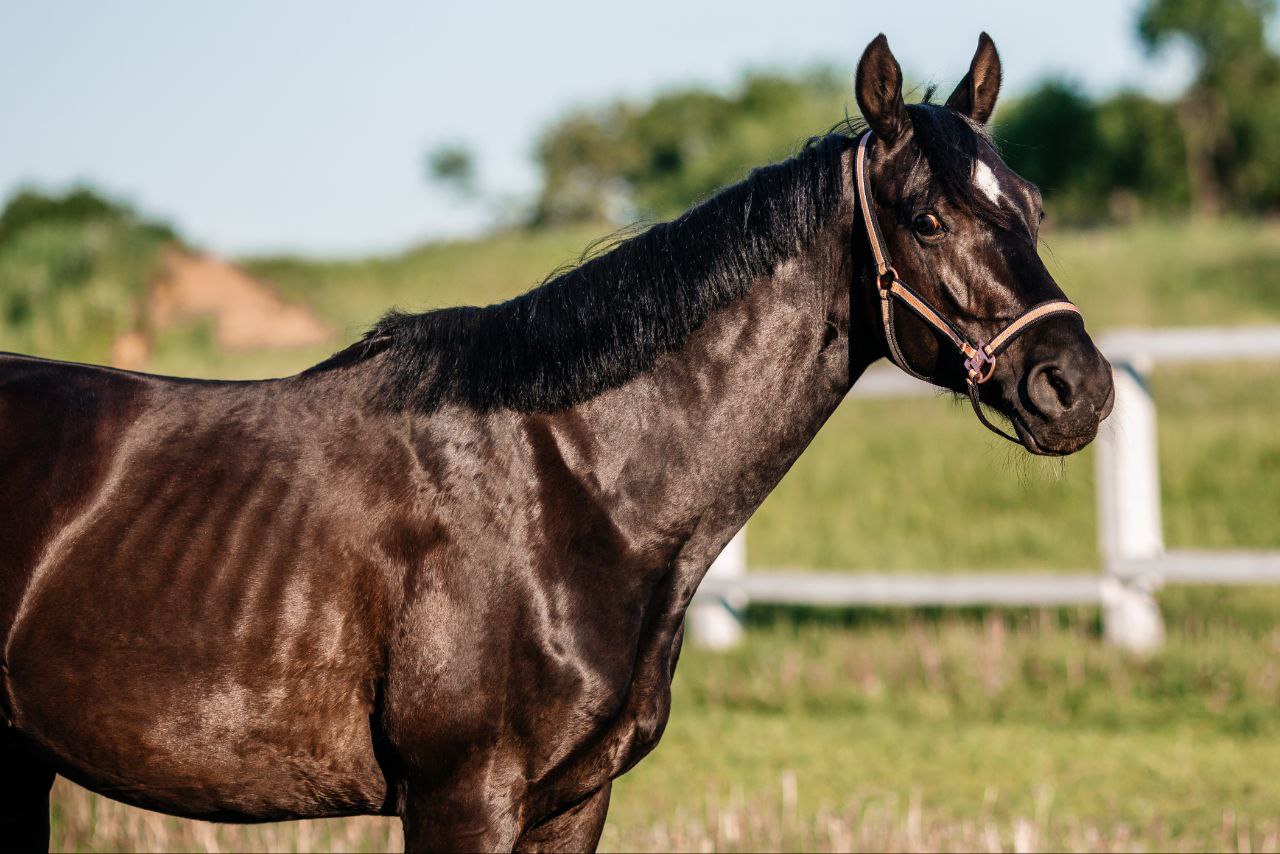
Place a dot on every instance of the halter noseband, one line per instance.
(980, 358)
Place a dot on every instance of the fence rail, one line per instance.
(1135, 562)
(1205, 567)
(832, 589)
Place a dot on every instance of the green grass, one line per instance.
(1170, 274)
(889, 730)
(352, 294)
(918, 485)
(989, 718)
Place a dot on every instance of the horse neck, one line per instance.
(686, 452)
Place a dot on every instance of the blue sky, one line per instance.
(302, 126)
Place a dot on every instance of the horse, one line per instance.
(443, 574)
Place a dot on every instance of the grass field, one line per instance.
(992, 730)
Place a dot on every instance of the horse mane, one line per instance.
(595, 326)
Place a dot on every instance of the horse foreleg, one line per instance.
(456, 820)
(576, 829)
(25, 781)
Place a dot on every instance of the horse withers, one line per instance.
(443, 575)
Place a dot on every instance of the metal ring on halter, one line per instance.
(885, 280)
(976, 362)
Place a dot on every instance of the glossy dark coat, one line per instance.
(392, 586)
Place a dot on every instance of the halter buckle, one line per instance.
(980, 364)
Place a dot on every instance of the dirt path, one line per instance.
(246, 313)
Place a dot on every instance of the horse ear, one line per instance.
(878, 88)
(975, 97)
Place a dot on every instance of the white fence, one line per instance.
(1131, 543)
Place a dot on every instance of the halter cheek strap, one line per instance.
(979, 357)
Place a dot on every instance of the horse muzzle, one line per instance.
(1063, 395)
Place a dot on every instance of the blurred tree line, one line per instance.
(1215, 149)
(1212, 150)
(629, 161)
(28, 208)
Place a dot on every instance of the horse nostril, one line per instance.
(1050, 390)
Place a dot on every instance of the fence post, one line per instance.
(1129, 524)
(714, 622)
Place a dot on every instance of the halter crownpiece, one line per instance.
(980, 357)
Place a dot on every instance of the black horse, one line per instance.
(443, 575)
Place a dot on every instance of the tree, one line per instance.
(79, 205)
(1050, 137)
(1142, 156)
(1094, 160)
(626, 160)
(452, 166)
(1227, 115)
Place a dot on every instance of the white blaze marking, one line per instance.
(986, 181)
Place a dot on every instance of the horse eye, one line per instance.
(927, 225)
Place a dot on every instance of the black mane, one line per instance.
(596, 326)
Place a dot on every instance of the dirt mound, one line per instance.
(246, 313)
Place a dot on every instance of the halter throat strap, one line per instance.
(979, 356)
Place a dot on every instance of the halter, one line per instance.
(980, 358)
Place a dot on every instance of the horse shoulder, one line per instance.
(535, 624)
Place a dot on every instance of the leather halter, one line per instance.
(980, 357)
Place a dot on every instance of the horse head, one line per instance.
(964, 300)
